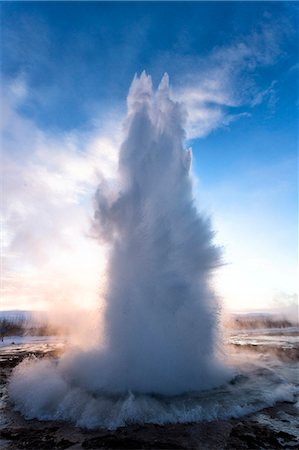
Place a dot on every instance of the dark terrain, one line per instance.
(249, 432)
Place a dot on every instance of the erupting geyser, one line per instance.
(160, 318)
(160, 322)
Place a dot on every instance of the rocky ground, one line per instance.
(268, 429)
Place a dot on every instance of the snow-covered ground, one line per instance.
(24, 341)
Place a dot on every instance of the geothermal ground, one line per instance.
(268, 428)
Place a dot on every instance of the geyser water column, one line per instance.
(160, 322)
(161, 314)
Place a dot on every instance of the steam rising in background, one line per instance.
(160, 315)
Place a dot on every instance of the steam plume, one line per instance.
(160, 320)
(160, 316)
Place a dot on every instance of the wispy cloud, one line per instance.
(225, 81)
(48, 182)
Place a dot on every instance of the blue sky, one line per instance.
(66, 70)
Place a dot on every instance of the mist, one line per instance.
(159, 328)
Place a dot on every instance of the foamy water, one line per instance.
(261, 380)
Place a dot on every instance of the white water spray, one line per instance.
(161, 312)
(160, 323)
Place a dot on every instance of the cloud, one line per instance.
(48, 182)
(218, 86)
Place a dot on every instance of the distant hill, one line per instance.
(22, 322)
(257, 320)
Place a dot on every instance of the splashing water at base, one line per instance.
(264, 378)
(160, 322)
